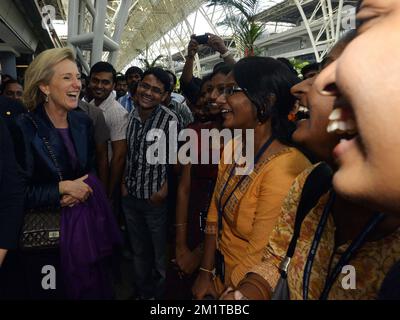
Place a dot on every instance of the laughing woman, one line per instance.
(369, 169)
(344, 235)
(244, 209)
(56, 153)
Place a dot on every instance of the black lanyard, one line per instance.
(346, 256)
(315, 243)
(221, 207)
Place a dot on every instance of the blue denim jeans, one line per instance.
(147, 229)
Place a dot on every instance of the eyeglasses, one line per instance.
(229, 91)
(146, 87)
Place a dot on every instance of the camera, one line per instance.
(203, 39)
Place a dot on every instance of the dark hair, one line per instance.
(173, 76)
(287, 63)
(206, 78)
(6, 75)
(161, 75)
(263, 78)
(219, 65)
(120, 77)
(133, 70)
(6, 83)
(310, 67)
(223, 69)
(103, 67)
(201, 84)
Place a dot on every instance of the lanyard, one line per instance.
(315, 243)
(349, 253)
(221, 207)
(346, 256)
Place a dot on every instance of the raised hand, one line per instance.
(192, 47)
(217, 43)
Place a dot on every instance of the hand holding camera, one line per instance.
(192, 47)
(213, 41)
(203, 39)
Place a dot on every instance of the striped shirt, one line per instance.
(143, 178)
(126, 102)
(185, 116)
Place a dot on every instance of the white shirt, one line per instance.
(116, 120)
(178, 97)
(116, 117)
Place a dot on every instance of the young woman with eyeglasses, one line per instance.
(244, 208)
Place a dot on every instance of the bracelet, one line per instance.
(239, 296)
(208, 271)
(226, 54)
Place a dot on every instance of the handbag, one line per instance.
(41, 226)
(317, 183)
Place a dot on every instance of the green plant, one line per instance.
(155, 63)
(298, 64)
(241, 21)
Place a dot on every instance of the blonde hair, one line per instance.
(40, 71)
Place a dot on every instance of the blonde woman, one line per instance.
(56, 152)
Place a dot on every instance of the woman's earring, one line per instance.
(262, 114)
(47, 98)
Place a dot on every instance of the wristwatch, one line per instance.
(223, 56)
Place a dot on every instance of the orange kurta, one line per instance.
(253, 210)
(371, 262)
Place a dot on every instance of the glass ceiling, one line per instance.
(148, 22)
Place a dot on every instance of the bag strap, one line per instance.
(48, 147)
(318, 182)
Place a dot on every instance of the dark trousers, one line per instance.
(21, 276)
(147, 229)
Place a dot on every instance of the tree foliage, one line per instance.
(150, 64)
(241, 21)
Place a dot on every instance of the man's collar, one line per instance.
(152, 114)
(105, 103)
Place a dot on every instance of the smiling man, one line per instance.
(102, 82)
(145, 205)
(12, 89)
